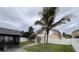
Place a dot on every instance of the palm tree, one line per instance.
(48, 20)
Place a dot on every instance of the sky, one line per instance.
(20, 18)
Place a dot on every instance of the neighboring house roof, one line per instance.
(76, 31)
(75, 34)
(9, 31)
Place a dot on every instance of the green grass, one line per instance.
(50, 48)
(26, 43)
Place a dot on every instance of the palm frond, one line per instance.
(62, 21)
(47, 12)
(50, 20)
(39, 23)
(41, 30)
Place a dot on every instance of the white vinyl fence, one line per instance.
(75, 44)
(59, 41)
(23, 39)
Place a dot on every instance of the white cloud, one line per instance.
(22, 17)
(73, 24)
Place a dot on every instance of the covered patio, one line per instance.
(9, 38)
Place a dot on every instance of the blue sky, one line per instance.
(20, 18)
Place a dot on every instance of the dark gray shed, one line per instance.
(9, 37)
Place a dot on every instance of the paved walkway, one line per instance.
(19, 49)
(30, 45)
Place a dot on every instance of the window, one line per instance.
(10, 38)
(1, 38)
(6, 38)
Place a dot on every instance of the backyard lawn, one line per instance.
(26, 43)
(50, 48)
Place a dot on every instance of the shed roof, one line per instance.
(9, 31)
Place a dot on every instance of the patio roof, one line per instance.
(9, 31)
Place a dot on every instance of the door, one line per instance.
(2, 42)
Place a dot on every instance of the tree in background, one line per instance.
(30, 29)
(29, 34)
(25, 34)
(67, 35)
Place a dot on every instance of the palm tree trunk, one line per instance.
(44, 37)
(47, 37)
